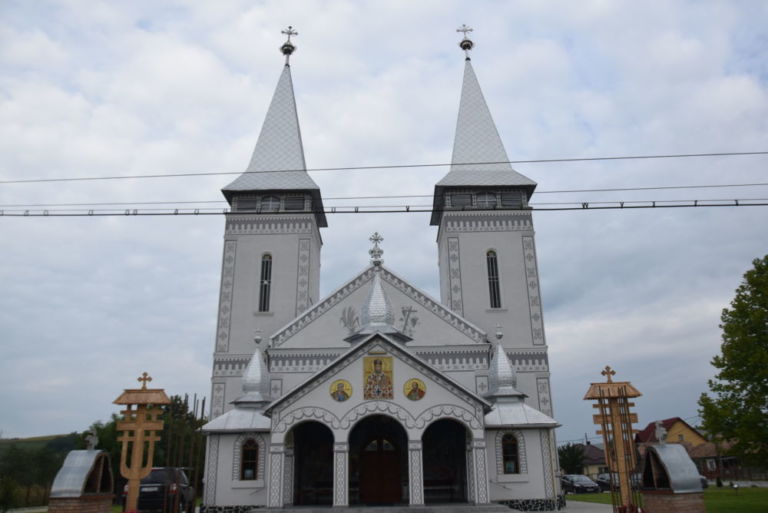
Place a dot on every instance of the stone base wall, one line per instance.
(536, 504)
(86, 504)
(663, 502)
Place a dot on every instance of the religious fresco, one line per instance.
(377, 376)
(414, 389)
(341, 390)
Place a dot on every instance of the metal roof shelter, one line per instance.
(83, 473)
(668, 467)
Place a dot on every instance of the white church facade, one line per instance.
(379, 394)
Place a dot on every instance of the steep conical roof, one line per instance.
(278, 162)
(501, 377)
(376, 315)
(477, 140)
(255, 382)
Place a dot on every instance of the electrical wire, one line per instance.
(400, 196)
(391, 166)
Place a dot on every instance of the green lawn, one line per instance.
(716, 500)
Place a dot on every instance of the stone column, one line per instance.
(275, 482)
(480, 494)
(340, 474)
(415, 473)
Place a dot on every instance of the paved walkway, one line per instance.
(586, 507)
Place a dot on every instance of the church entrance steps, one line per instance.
(404, 508)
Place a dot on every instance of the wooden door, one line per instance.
(379, 472)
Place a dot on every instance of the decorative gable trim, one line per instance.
(452, 318)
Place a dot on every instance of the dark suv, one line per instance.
(166, 490)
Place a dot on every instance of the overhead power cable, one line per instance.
(388, 209)
(398, 196)
(390, 166)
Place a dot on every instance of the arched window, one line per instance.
(249, 460)
(509, 454)
(265, 283)
(270, 204)
(493, 279)
(486, 200)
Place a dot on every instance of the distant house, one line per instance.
(594, 460)
(678, 431)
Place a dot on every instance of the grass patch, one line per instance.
(716, 500)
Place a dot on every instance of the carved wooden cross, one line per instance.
(376, 251)
(289, 32)
(608, 373)
(143, 379)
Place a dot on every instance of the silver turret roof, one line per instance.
(277, 163)
(476, 141)
(502, 380)
(255, 382)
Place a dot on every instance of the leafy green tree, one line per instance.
(571, 458)
(738, 411)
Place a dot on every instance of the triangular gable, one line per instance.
(363, 349)
(469, 332)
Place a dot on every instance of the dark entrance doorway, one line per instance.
(444, 446)
(378, 472)
(313, 464)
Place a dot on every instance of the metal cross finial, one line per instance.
(288, 48)
(466, 44)
(608, 373)
(464, 29)
(290, 32)
(376, 251)
(143, 379)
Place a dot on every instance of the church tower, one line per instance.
(271, 264)
(487, 255)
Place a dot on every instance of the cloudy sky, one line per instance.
(144, 87)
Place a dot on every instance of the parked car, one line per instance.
(576, 483)
(165, 490)
(704, 481)
(604, 481)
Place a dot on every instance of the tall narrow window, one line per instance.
(249, 462)
(265, 283)
(509, 454)
(493, 279)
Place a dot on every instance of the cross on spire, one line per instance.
(288, 48)
(376, 251)
(608, 373)
(143, 380)
(466, 43)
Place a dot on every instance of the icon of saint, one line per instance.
(415, 393)
(378, 385)
(340, 394)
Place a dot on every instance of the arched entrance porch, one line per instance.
(444, 449)
(378, 464)
(312, 448)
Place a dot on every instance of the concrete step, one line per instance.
(403, 508)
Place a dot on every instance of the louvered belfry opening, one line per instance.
(493, 279)
(265, 283)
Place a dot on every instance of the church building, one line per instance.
(379, 394)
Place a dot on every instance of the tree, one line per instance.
(738, 411)
(571, 458)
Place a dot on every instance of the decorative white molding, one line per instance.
(287, 420)
(211, 469)
(534, 296)
(217, 399)
(414, 294)
(464, 416)
(237, 459)
(259, 224)
(415, 474)
(377, 407)
(487, 221)
(547, 455)
(522, 461)
(230, 365)
(454, 276)
(302, 276)
(225, 295)
(340, 474)
(290, 462)
(545, 399)
(276, 457)
(481, 481)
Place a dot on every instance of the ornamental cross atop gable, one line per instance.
(143, 379)
(608, 373)
(376, 251)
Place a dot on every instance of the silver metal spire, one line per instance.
(255, 380)
(501, 377)
(377, 311)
